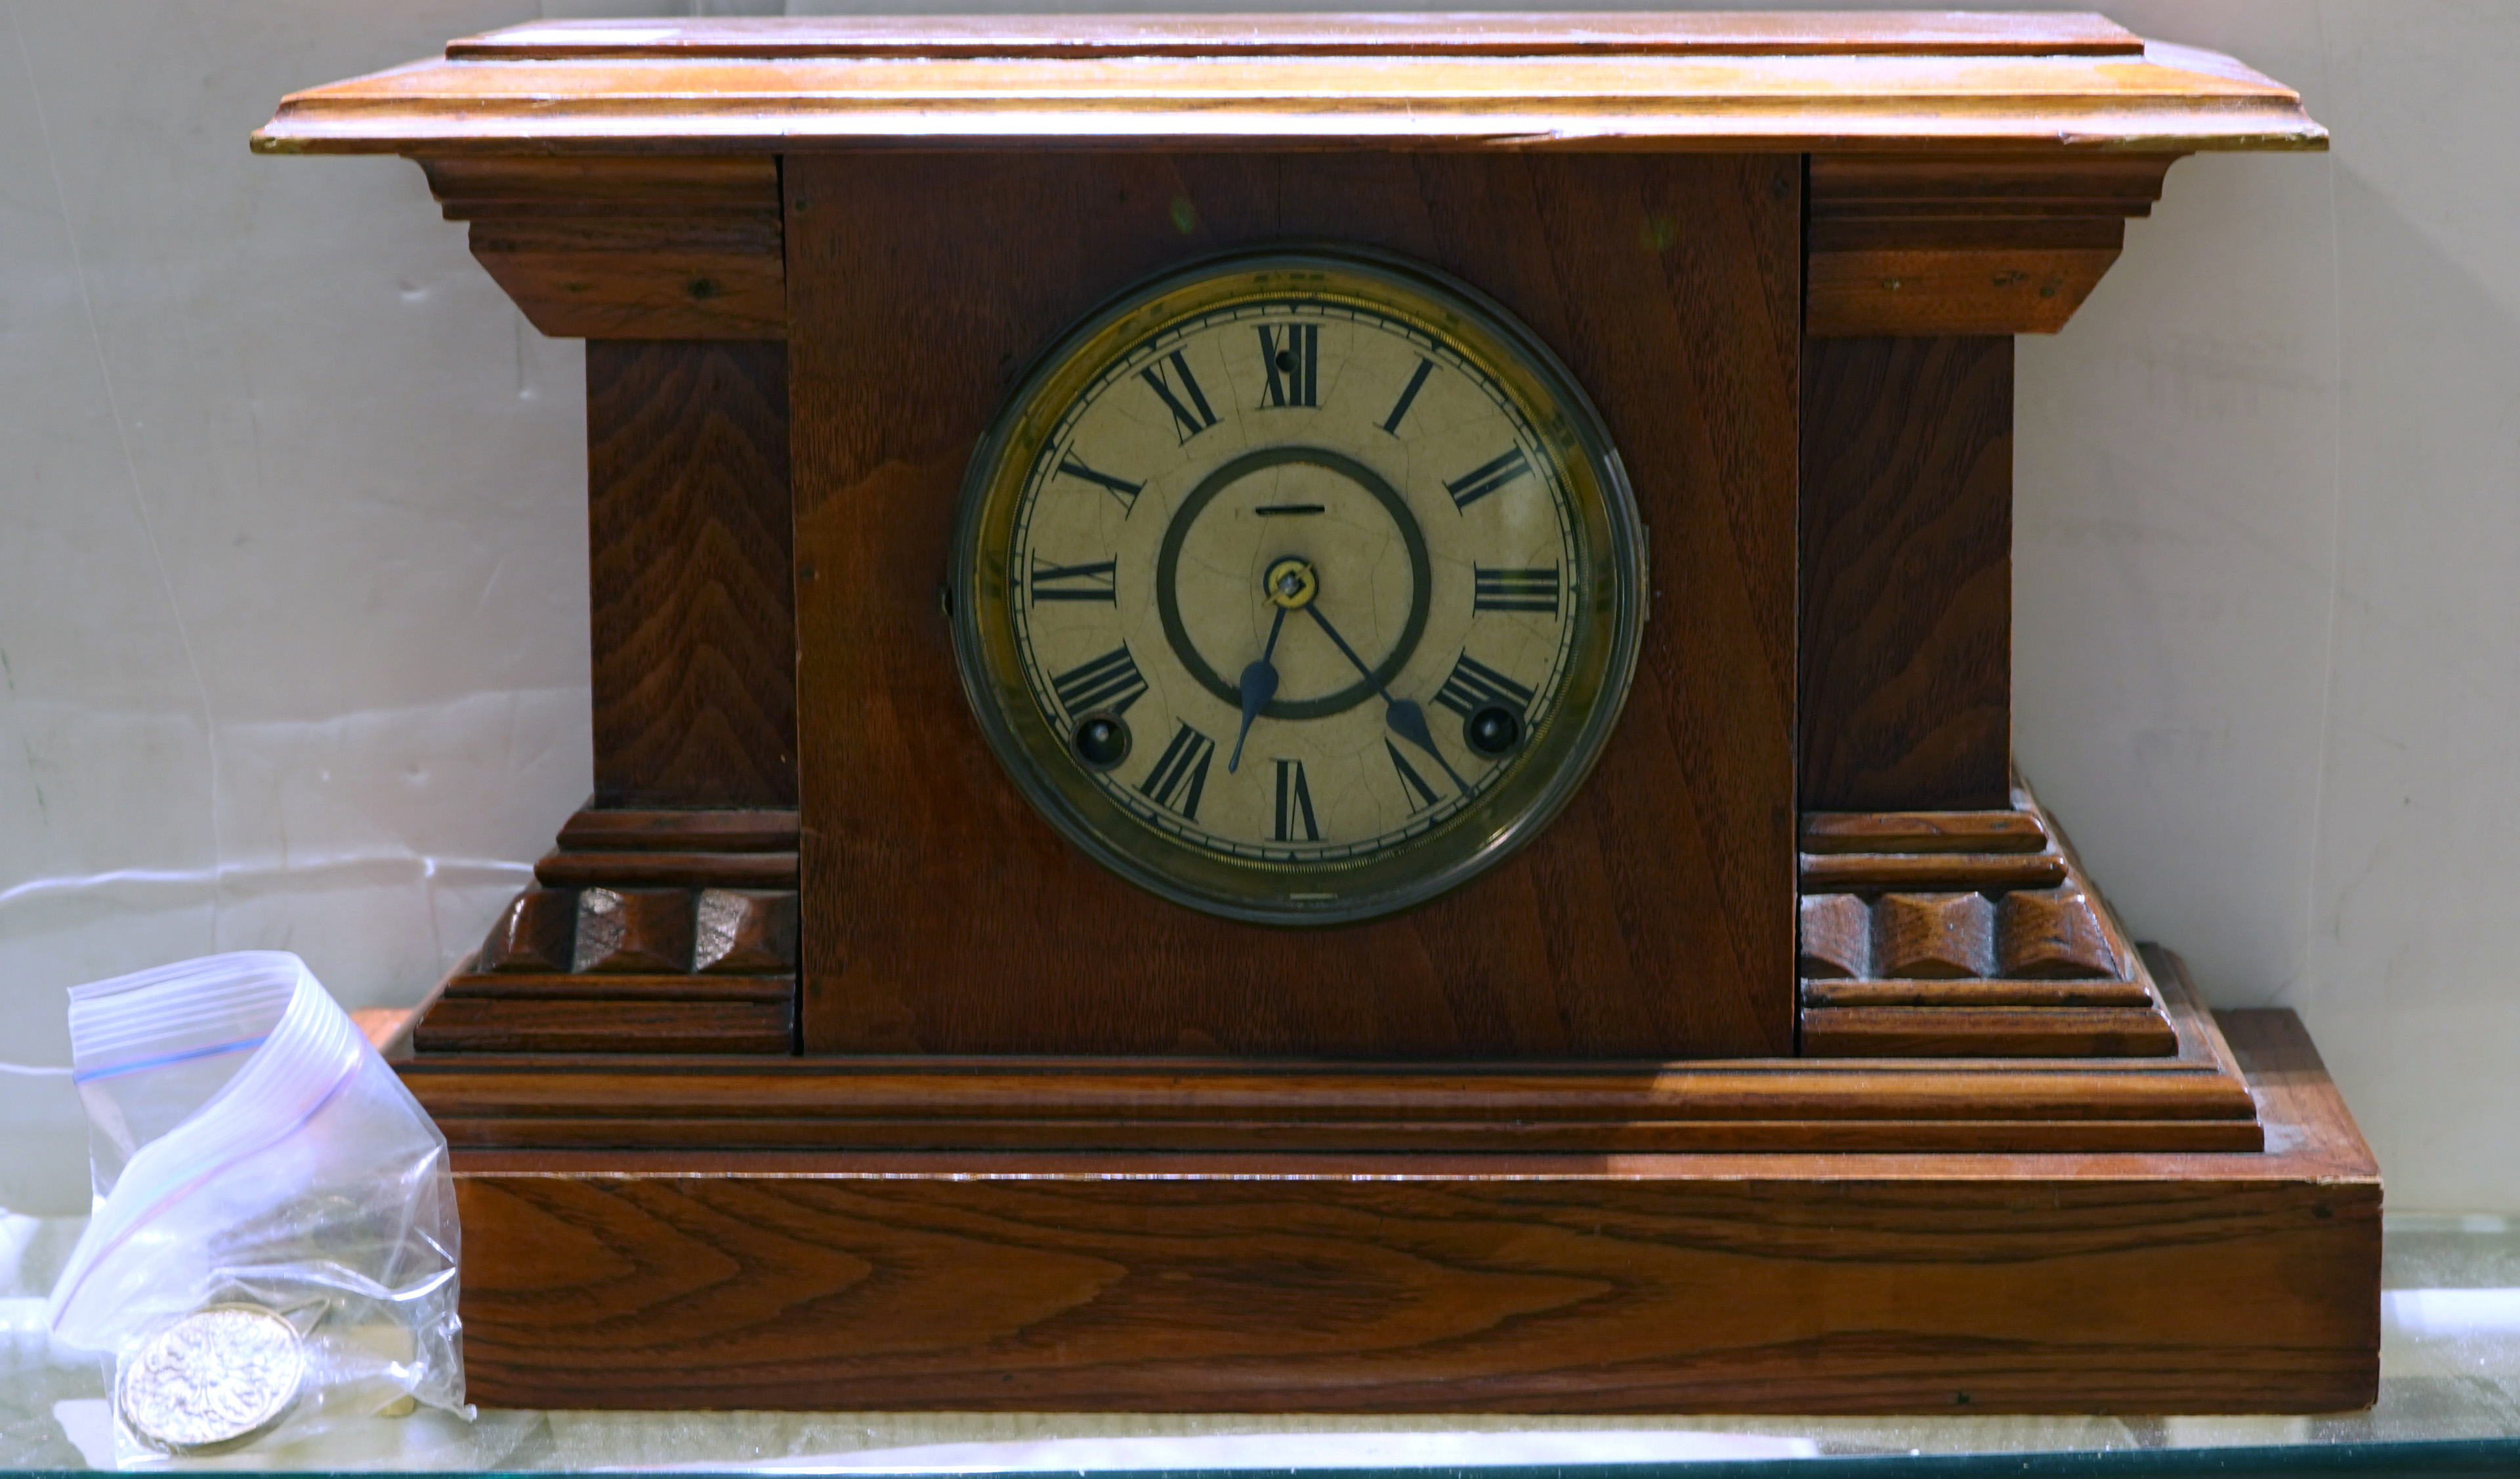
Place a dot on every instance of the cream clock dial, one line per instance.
(1298, 587)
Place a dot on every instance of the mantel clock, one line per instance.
(1313, 712)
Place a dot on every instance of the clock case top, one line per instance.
(1785, 252)
(1703, 83)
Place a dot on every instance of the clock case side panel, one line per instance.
(666, 915)
(664, 922)
(692, 617)
(665, 919)
(1652, 921)
(1943, 912)
(1905, 665)
(1919, 268)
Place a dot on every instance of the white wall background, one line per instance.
(292, 627)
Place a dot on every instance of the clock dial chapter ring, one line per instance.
(1206, 495)
(1466, 579)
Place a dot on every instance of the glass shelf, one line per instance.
(2450, 1404)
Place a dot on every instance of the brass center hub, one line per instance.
(1292, 583)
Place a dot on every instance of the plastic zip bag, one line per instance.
(274, 1245)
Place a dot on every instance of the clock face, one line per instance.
(1298, 588)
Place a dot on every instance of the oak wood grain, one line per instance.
(1952, 243)
(1931, 936)
(744, 930)
(1906, 575)
(2126, 956)
(536, 933)
(1315, 34)
(647, 940)
(721, 186)
(693, 608)
(1976, 1031)
(613, 1096)
(1099, 1103)
(1836, 937)
(1826, 992)
(626, 248)
(633, 930)
(622, 987)
(688, 869)
(2333, 1149)
(1962, 954)
(1903, 85)
(1653, 919)
(581, 1133)
(2201, 1045)
(2311, 1124)
(720, 829)
(2193, 1099)
(460, 1024)
(2104, 1281)
(1833, 872)
(2054, 934)
(1934, 832)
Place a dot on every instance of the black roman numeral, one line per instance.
(1082, 582)
(1512, 590)
(1295, 803)
(1109, 682)
(1421, 796)
(1409, 396)
(1487, 477)
(1475, 686)
(1181, 774)
(1294, 366)
(1186, 424)
(1118, 487)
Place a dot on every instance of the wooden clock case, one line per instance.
(1797, 1067)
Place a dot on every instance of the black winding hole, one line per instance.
(1493, 730)
(1285, 362)
(1101, 740)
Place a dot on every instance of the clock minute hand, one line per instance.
(1403, 715)
(1259, 685)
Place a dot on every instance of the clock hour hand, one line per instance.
(1403, 715)
(1259, 685)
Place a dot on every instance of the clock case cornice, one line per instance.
(1881, 82)
(1968, 174)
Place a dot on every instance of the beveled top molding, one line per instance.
(1550, 33)
(1899, 82)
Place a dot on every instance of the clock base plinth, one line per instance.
(2017, 1168)
(1988, 1282)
